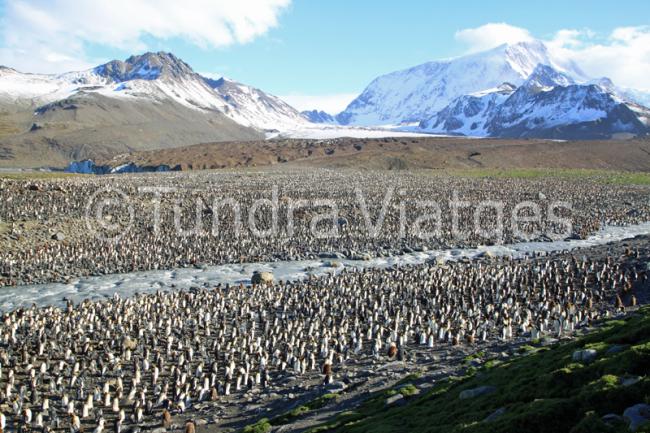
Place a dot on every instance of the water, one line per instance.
(102, 287)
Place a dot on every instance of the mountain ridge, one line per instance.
(483, 94)
(156, 76)
(415, 93)
(549, 104)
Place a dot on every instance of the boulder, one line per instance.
(548, 341)
(616, 348)
(336, 387)
(395, 400)
(58, 236)
(495, 415)
(262, 278)
(637, 415)
(611, 418)
(587, 355)
(630, 380)
(477, 392)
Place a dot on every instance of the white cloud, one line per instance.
(622, 55)
(491, 35)
(332, 104)
(50, 35)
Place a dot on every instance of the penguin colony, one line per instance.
(33, 211)
(146, 361)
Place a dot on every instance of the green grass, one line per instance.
(600, 176)
(261, 426)
(543, 391)
(408, 390)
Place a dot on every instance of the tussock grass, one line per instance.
(543, 391)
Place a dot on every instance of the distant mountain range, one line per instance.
(319, 116)
(155, 100)
(517, 90)
(152, 77)
(549, 104)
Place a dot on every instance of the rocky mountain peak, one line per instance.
(147, 66)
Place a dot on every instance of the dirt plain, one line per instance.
(402, 153)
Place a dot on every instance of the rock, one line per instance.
(477, 392)
(159, 430)
(201, 421)
(58, 236)
(616, 348)
(335, 387)
(612, 418)
(548, 341)
(494, 415)
(628, 381)
(475, 362)
(397, 399)
(637, 415)
(586, 355)
(262, 278)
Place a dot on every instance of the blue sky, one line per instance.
(310, 48)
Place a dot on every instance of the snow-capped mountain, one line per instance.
(418, 93)
(467, 115)
(154, 77)
(319, 116)
(548, 104)
(250, 106)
